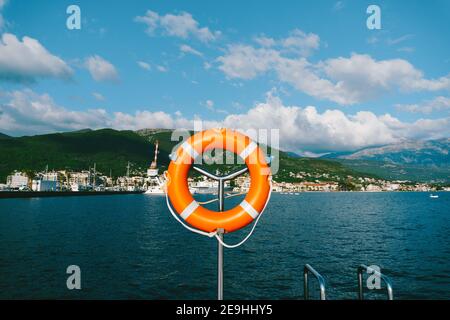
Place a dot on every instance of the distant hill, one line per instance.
(112, 149)
(109, 149)
(390, 171)
(428, 153)
(425, 161)
(3, 136)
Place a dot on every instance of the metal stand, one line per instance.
(220, 267)
(220, 232)
(389, 290)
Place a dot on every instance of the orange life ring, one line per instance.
(201, 217)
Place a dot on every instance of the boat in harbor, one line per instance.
(434, 196)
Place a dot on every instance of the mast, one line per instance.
(154, 163)
(95, 174)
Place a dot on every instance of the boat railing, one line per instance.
(363, 268)
(308, 269)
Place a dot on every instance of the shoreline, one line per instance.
(46, 194)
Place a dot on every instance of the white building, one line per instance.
(373, 188)
(44, 185)
(17, 180)
(3, 187)
(79, 181)
(392, 186)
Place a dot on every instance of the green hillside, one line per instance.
(111, 150)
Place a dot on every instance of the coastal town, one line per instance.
(92, 180)
(152, 182)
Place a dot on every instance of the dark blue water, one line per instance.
(129, 247)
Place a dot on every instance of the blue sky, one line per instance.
(311, 69)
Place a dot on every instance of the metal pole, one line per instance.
(360, 284)
(220, 233)
(319, 278)
(361, 269)
(305, 284)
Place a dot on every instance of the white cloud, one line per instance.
(406, 49)
(362, 73)
(305, 129)
(98, 96)
(265, 41)
(305, 77)
(28, 60)
(162, 68)
(439, 103)
(144, 65)
(400, 39)
(209, 104)
(339, 6)
(301, 42)
(182, 25)
(297, 42)
(27, 112)
(207, 65)
(101, 69)
(246, 62)
(188, 49)
(301, 128)
(372, 40)
(345, 81)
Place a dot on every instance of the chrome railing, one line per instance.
(308, 269)
(361, 268)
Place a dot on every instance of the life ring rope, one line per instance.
(232, 246)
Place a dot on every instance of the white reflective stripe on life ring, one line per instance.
(249, 209)
(189, 209)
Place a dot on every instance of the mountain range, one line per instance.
(427, 161)
(111, 150)
(434, 153)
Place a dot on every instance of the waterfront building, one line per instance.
(243, 183)
(18, 180)
(48, 181)
(373, 188)
(41, 185)
(4, 187)
(79, 181)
